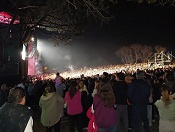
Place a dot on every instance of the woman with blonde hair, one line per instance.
(52, 105)
(104, 112)
(96, 87)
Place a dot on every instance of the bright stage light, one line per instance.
(23, 53)
(39, 45)
(32, 39)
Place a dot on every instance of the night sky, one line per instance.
(142, 24)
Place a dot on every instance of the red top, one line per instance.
(74, 105)
(104, 116)
(92, 127)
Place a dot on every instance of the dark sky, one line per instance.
(151, 25)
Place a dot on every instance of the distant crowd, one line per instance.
(111, 102)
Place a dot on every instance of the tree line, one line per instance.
(137, 53)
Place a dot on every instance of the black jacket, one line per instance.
(14, 117)
(120, 89)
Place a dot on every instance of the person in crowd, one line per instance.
(91, 85)
(149, 107)
(166, 108)
(74, 107)
(82, 87)
(120, 89)
(92, 127)
(58, 79)
(96, 87)
(104, 111)
(169, 80)
(128, 80)
(59, 85)
(105, 77)
(84, 100)
(52, 106)
(3, 94)
(37, 92)
(138, 96)
(157, 95)
(30, 93)
(14, 115)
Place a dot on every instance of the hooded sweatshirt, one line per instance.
(52, 109)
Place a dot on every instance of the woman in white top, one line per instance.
(166, 108)
(82, 87)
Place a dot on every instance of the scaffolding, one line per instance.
(161, 60)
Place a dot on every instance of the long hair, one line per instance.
(105, 92)
(72, 88)
(16, 95)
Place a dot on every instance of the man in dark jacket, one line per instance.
(14, 115)
(120, 89)
(138, 95)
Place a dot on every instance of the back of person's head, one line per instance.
(105, 87)
(113, 77)
(128, 79)
(169, 76)
(57, 73)
(16, 95)
(120, 76)
(105, 74)
(148, 77)
(48, 89)
(91, 80)
(140, 74)
(105, 92)
(72, 88)
(97, 84)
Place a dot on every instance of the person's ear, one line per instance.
(23, 101)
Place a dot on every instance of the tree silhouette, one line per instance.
(159, 48)
(156, 2)
(135, 53)
(66, 19)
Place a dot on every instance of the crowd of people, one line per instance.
(89, 72)
(110, 102)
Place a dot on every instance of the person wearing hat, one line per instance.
(138, 95)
